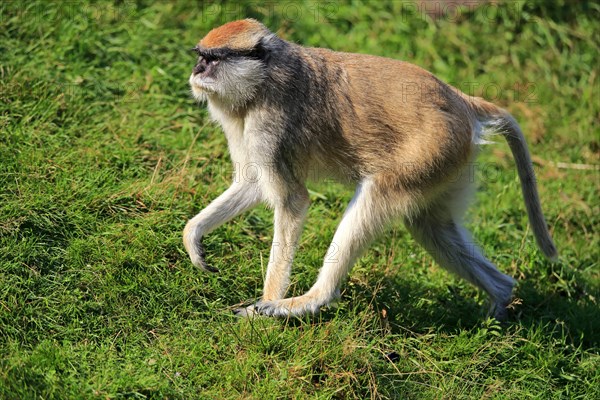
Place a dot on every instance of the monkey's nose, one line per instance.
(201, 66)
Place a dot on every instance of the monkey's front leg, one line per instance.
(240, 197)
(289, 219)
(362, 221)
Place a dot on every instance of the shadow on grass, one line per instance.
(405, 306)
(576, 316)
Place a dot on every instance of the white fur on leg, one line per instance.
(361, 221)
(289, 218)
(235, 200)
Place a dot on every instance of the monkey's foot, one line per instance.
(500, 310)
(294, 306)
(246, 312)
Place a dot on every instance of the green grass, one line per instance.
(104, 156)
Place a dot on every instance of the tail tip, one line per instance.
(550, 252)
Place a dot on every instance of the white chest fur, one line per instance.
(234, 131)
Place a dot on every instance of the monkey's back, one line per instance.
(396, 115)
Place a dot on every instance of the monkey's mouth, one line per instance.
(202, 83)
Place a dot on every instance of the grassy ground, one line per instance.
(104, 156)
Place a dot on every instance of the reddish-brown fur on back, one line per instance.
(240, 35)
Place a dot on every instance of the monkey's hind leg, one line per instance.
(441, 234)
(367, 214)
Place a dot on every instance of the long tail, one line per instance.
(502, 122)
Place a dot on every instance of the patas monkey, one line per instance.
(393, 129)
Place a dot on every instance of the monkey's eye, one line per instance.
(210, 59)
(204, 57)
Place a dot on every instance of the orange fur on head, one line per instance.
(238, 35)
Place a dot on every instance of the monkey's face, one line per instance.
(227, 76)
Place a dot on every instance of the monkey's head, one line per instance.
(231, 63)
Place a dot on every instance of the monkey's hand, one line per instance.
(199, 259)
